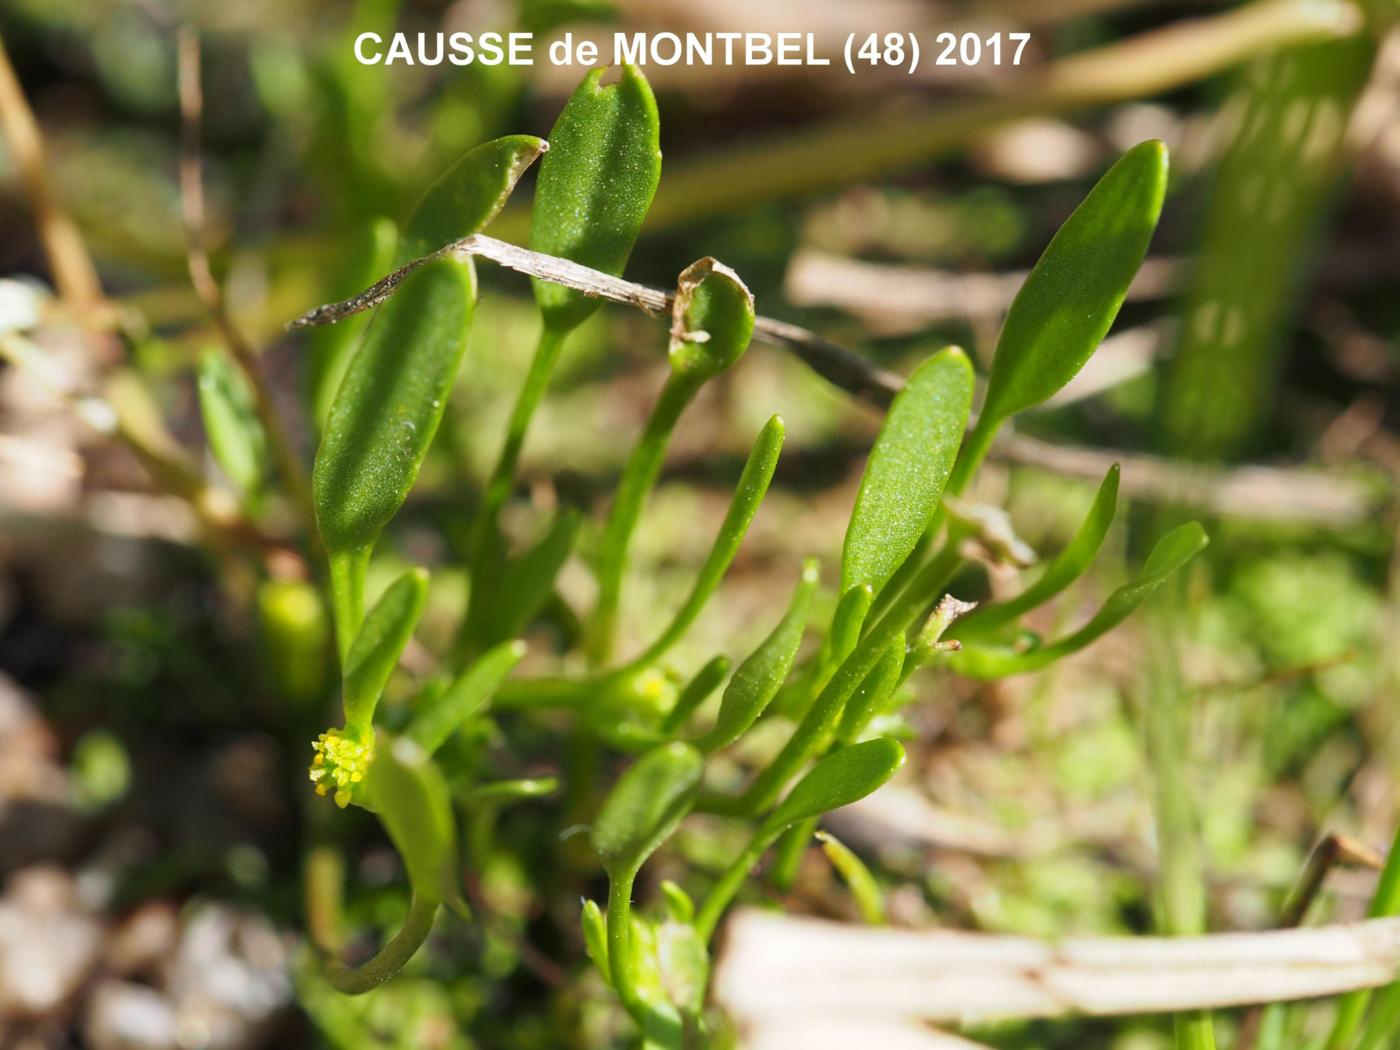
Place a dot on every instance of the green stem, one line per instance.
(707, 918)
(620, 962)
(348, 570)
(638, 479)
(391, 958)
(791, 849)
(485, 553)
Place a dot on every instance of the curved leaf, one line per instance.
(645, 806)
(377, 648)
(1068, 566)
(759, 677)
(407, 792)
(864, 889)
(1173, 551)
(872, 695)
(711, 321)
(696, 691)
(231, 424)
(907, 470)
(528, 581)
(595, 186)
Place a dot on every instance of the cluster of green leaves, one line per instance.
(902, 547)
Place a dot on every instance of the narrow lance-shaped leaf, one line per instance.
(864, 889)
(595, 938)
(1068, 566)
(696, 692)
(498, 792)
(528, 581)
(407, 792)
(231, 425)
(378, 646)
(759, 677)
(595, 185)
(748, 495)
(711, 325)
(464, 697)
(647, 803)
(388, 407)
(1172, 552)
(1068, 302)
(872, 695)
(907, 470)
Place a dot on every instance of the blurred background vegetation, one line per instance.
(154, 810)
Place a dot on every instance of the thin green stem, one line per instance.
(348, 570)
(638, 479)
(391, 958)
(707, 918)
(620, 961)
(485, 552)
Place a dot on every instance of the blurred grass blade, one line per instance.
(378, 646)
(407, 792)
(695, 693)
(231, 425)
(907, 470)
(497, 792)
(595, 186)
(865, 891)
(1172, 552)
(759, 677)
(1070, 564)
(1072, 295)
(648, 801)
(1385, 903)
(465, 697)
(748, 495)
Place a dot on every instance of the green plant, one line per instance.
(893, 617)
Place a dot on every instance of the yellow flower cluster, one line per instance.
(340, 764)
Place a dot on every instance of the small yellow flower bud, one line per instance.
(340, 764)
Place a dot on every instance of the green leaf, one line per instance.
(842, 777)
(595, 937)
(465, 697)
(377, 648)
(595, 186)
(1067, 567)
(872, 695)
(645, 806)
(407, 792)
(864, 889)
(748, 495)
(1173, 551)
(711, 321)
(695, 693)
(679, 906)
(296, 633)
(759, 677)
(467, 196)
(907, 470)
(231, 425)
(846, 623)
(390, 403)
(528, 581)
(499, 791)
(683, 962)
(1068, 302)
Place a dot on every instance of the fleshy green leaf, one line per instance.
(467, 196)
(645, 806)
(872, 695)
(907, 470)
(464, 697)
(1068, 566)
(499, 791)
(1068, 302)
(759, 677)
(407, 792)
(595, 186)
(1173, 551)
(711, 322)
(390, 403)
(842, 777)
(595, 937)
(684, 964)
(679, 905)
(748, 494)
(231, 424)
(864, 889)
(377, 648)
(696, 691)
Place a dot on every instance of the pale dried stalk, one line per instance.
(775, 966)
